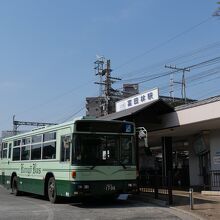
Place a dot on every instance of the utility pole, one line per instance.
(16, 124)
(171, 87)
(106, 83)
(183, 82)
(99, 66)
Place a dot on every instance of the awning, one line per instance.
(147, 112)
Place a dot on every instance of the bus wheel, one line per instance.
(15, 190)
(52, 194)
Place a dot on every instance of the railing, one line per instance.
(156, 185)
(215, 178)
(212, 180)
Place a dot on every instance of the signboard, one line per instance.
(216, 160)
(139, 99)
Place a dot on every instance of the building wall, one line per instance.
(215, 150)
(193, 115)
(194, 173)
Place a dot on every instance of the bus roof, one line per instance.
(56, 127)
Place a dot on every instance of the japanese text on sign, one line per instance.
(136, 100)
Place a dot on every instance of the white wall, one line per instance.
(196, 114)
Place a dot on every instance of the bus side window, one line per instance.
(65, 148)
(9, 151)
(5, 150)
(1, 150)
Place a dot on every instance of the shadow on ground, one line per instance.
(90, 202)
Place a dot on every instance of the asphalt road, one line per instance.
(32, 207)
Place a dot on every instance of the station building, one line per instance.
(183, 140)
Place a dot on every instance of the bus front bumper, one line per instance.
(103, 188)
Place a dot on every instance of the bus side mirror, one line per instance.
(142, 135)
(67, 141)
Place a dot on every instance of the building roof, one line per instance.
(198, 103)
(158, 106)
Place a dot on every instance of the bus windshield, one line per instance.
(98, 150)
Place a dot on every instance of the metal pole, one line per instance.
(191, 200)
(170, 192)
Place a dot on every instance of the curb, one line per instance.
(164, 204)
(210, 193)
(196, 216)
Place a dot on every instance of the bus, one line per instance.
(80, 158)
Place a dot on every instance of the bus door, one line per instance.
(66, 145)
(6, 156)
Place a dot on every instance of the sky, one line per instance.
(48, 49)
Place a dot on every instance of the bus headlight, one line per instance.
(130, 185)
(134, 185)
(86, 187)
(79, 187)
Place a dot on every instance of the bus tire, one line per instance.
(14, 187)
(51, 190)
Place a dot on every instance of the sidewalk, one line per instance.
(205, 207)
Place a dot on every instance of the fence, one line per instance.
(158, 186)
(212, 180)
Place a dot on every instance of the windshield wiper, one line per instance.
(92, 167)
(122, 164)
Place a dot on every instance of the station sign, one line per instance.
(139, 99)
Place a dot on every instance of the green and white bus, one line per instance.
(79, 158)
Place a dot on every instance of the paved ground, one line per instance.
(207, 207)
(34, 208)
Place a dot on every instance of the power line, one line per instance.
(163, 43)
(192, 79)
(75, 113)
(198, 65)
(210, 46)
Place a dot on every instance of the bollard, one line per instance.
(191, 200)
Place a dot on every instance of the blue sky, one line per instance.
(47, 50)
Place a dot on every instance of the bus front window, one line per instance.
(102, 150)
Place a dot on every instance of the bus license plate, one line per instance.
(109, 187)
